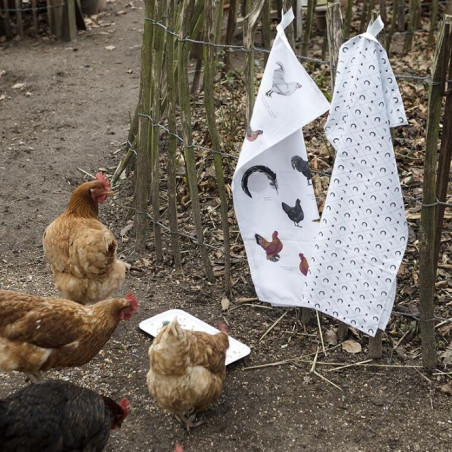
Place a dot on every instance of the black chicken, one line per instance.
(295, 213)
(58, 416)
(302, 166)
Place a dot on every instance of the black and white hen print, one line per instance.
(363, 230)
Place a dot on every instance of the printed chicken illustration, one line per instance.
(294, 213)
(303, 266)
(40, 333)
(58, 416)
(252, 135)
(81, 250)
(302, 166)
(279, 84)
(187, 370)
(273, 248)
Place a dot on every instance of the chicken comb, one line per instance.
(125, 405)
(179, 448)
(100, 176)
(132, 299)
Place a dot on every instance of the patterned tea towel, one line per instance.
(273, 195)
(363, 231)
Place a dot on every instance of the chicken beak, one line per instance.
(109, 192)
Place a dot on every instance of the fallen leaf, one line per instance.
(110, 47)
(351, 346)
(225, 303)
(18, 86)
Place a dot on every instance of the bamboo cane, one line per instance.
(212, 18)
(172, 140)
(308, 27)
(249, 25)
(185, 114)
(156, 84)
(143, 157)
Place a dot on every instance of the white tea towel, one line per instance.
(363, 230)
(273, 195)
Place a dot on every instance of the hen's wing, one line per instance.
(79, 246)
(44, 322)
(208, 350)
(93, 252)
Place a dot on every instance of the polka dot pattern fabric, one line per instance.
(363, 230)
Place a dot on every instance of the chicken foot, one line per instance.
(188, 422)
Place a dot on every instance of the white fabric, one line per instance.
(363, 230)
(287, 99)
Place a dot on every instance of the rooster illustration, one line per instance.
(304, 266)
(279, 84)
(252, 135)
(302, 166)
(295, 213)
(273, 248)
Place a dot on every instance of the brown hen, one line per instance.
(187, 370)
(81, 250)
(39, 333)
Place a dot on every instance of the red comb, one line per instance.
(125, 405)
(179, 448)
(100, 176)
(132, 299)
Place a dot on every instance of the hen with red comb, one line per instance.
(81, 250)
(59, 416)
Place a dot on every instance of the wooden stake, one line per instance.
(427, 275)
(185, 29)
(212, 18)
(143, 156)
(172, 140)
(334, 32)
(249, 26)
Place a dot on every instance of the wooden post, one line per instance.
(376, 346)
(413, 23)
(445, 154)
(348, 18)
(6, 19)
(212, 18)
(249, 25)
(143, 157)
(427, 274)
(69, 31)
(172, 140)
(156, 94)
(35, 17)
(308, 27)
(185, 114)
(19, 22)
(230, 29)
(334, 32)
(433, 20)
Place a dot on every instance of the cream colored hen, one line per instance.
(187, 370)
(81, 250)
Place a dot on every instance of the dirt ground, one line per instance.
(65, 107)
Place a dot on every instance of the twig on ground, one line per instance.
(360, 363)
(274, 324)
(328, 381)
(86, 173)
(320, 333)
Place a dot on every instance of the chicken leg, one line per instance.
(188, 422)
